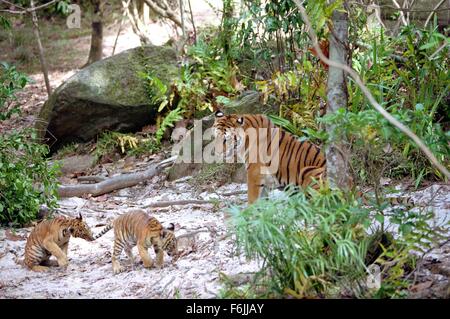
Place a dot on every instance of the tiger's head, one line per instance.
(228, 133)
(79, 228)
(169, 240)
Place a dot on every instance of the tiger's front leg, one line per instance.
(157, 244)
(253, 182)
(54, 249)
(143, 252)
(117, 250)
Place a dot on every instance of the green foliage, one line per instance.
(385, 150)
(309, 242)
(409, 76)
(156, 90)
(171, 118)
(206, 80)
(26, 179)
(298, 93)
(207, 74)
(320, 243)
(11, 81)
(5, 23)
(281, 26)
(61, 7)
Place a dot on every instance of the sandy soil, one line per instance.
(208, 254)
(89, 274)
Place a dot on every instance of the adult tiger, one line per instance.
(268, 151)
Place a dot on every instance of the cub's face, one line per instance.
(79, 228)
(228, 134)
(169, 240)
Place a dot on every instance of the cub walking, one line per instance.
(137, 228)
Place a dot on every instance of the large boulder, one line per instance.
(248, 102)
(106, 95)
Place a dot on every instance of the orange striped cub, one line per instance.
(137, 228)
(51, 237)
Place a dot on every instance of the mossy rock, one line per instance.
(106, 95)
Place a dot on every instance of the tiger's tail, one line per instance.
(104, 231)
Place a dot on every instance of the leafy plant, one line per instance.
(171, 118)
(27, 180)
(112, 142)
(11, 81)
(309, 241)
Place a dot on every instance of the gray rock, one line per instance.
(106, 95)
(76, 164)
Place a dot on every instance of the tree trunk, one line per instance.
(96, 51)
(337, 96)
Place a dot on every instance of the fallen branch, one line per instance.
(113, 183)
(235, 193)
(192, 234)
(95, 178)
(368, 94)
(179, 202)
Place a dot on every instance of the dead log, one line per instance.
(180, 202)
(113, 183)
(95, 178)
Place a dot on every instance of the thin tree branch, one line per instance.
(368, 94)
(26, 10)
(169, 14)
(402, 14)
(41, 49)
(432, 13)
(192, 20)
(401, 9)
(124, 14)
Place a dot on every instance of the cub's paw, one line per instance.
(147, 265)
(117, 269)
(63, 262)
(40, 268)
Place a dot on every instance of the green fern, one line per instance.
(284, 123)
(169, 121)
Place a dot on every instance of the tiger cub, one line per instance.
(137, 228)
(289, 160)
(51, 237)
